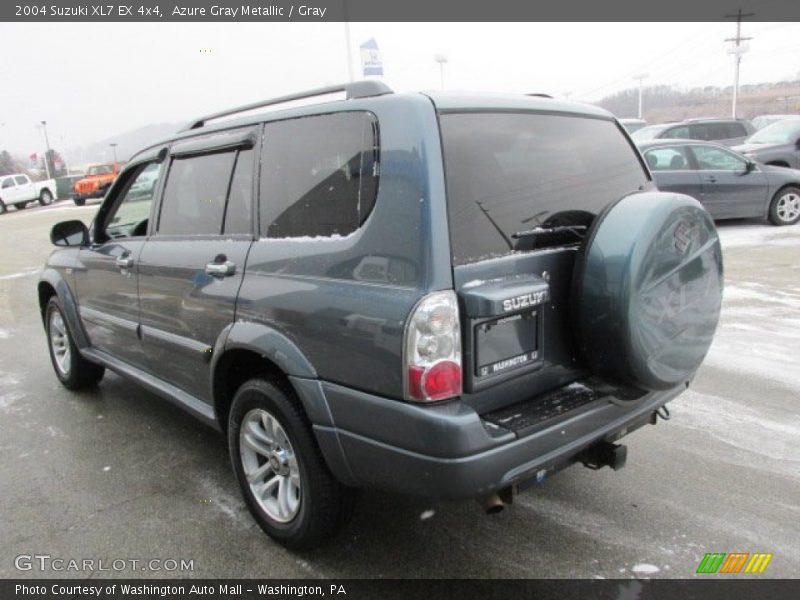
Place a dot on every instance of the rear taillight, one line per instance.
(433, 349)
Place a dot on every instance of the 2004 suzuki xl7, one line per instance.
(443, 295)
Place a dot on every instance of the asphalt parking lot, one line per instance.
(117, 473)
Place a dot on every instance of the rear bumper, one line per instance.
(449, 451)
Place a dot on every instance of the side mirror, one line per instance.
(749, 167)
(797, 144)
(69, 233)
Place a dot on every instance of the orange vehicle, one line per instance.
(98, 179)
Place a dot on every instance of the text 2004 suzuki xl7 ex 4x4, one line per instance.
(443, 295)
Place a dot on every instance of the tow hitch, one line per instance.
(604, 454)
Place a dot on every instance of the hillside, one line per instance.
(665, 103)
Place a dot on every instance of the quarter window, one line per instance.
(319, 175)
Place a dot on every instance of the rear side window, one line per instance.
(710, 131)
(667, 159)
(319, 175)
(8, 182)
(509, 173)
(735, 130)
(200, 188)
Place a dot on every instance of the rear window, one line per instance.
(511, 173)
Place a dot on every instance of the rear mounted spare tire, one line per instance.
(647, 290)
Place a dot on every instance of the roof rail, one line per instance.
(540, 95)
(354, 89)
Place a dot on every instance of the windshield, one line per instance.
(647, 133)
(100, 170)
(522, 181)
(782, 132)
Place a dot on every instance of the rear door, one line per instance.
(25, 188)
(107, 281)
(191, 268)
(673, 172)
(729, 189)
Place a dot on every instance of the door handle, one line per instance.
(711, 179)
(124, 262)
(221, 269)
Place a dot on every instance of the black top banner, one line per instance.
(395, 10)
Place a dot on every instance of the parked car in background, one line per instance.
(98, 179)
(632, 125)
(777, 144)
(729, 185)
(722, 131)
(18, 189)
(762, 121)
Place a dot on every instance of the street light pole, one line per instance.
(347, 42)
(640, 78)
(441, 59)
(114, 146)
(47, 153)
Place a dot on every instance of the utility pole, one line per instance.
(738, 49)
(47, 153)
(640, 78)
(114, 146)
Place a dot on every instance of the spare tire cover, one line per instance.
(647, 290)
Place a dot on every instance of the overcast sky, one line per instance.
(92, 81)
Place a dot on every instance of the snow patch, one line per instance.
(645, 569)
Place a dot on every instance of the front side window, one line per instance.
(195, 194)
(130, 216)
(21, 180)
(710, 158)
(667, 159)
(319, 175)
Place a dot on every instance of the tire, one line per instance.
(2, 207)
(45, 197)
(284, 455)
(648, 283)
(785, 206)
(73, 371)
(79, 201)
(21, 205)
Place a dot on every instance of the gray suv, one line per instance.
(723, 131)
(777, 144)
(451, 296)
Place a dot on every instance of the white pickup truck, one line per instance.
(18, 189)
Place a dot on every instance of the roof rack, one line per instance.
(354, 89)
(540, 95)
